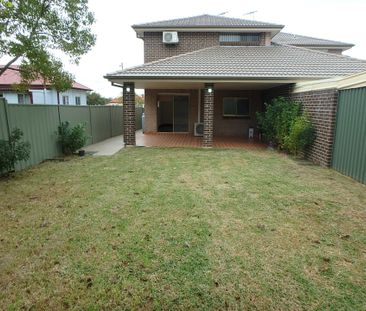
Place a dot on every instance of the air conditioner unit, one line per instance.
(198, 129)
(170, 37)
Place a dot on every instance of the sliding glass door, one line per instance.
(173, 113)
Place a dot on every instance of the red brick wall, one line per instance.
(208, 115)
(322, 108)
(129, 121)
(155, 49)
(236, 126)
(223, 126)
(151, 98)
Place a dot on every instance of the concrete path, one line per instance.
(106, 147)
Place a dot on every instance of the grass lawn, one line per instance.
(182, 229)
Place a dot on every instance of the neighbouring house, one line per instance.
(39, 92)
(209, 75)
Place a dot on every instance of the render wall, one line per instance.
(49, 97)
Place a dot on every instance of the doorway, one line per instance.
(173, 113)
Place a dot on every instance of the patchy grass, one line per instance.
(182, 229)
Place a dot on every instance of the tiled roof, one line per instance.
(207, 21)
(298, 40)
(246, 62)
(12, 76)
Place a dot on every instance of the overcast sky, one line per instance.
(342, 20)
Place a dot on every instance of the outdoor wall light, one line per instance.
(209, 90)
(128, 89)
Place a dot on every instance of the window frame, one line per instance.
(240, 37)
(236, 115)
(25, 99)
(77, 100)
(64, 102)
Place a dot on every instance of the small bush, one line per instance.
(302, 135)
(71, 138)
(275, 122)
(13, 151)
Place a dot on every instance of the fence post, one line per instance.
(91, 126)
(6, 117)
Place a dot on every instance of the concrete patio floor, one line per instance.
(106, 147)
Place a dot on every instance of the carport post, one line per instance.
(129, 125)
(208, 115)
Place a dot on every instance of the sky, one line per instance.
(341, 20)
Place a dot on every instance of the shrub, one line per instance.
(302, 135)
(71, 138)
(13, 151)
(275, 122)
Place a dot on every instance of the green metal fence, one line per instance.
(39, 124)
(349, 150)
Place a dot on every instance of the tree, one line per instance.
(96, 99)
(32, 30)
(139, 100)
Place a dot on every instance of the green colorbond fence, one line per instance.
(39, 124)
(349, 150)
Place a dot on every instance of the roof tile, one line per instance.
(298, 40)
(206, 20)
(247, 62)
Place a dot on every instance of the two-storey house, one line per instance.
(209, 75)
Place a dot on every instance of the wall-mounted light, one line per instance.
(128, 89)
(209, 90)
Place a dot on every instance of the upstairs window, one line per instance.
(235, 107)
(240, 38)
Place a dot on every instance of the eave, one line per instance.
(273, 30)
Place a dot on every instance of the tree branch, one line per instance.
(6, 67)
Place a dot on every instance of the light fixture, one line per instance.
(209, 90)
(128, 89)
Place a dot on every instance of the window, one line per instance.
(240, 37)
(23, 99)
(65, 100)
(77, 100)
(235, 107)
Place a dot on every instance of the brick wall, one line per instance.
(151, 112)
(236, 126)
(322, 108)
(208, 115)
(129, 121)
(155, 49)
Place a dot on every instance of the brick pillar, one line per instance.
(129, 126)
(208, 115)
